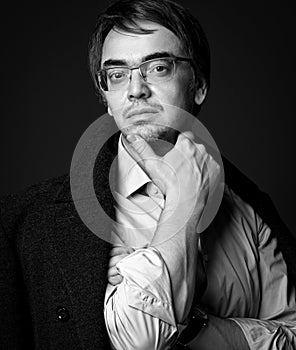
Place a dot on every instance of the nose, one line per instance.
(138, 88)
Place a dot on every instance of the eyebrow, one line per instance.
(119, 62)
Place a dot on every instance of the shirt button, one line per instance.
(62, 314)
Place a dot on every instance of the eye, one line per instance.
(159, 68)
(116, 75)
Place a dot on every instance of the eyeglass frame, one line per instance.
(131, 68)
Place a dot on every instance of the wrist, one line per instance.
(198, 320)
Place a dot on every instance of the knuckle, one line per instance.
(184, 146)
(188, 134)
(115, 280)
(201, 148)
(111, 271)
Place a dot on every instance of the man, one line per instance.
(139, 34)
(144, 57)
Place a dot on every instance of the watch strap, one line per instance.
(198, 319)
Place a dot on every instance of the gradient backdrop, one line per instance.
(48, 98)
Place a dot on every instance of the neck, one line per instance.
(161, 147)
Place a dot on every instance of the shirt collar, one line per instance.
(130, 175)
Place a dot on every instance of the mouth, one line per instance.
(142, 111)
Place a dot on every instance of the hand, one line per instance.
(117, 253)
(186, 175)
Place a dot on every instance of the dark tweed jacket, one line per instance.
(53, 269)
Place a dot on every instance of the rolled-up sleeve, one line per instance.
(139, 312)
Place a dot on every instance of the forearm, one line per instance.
(180, 255)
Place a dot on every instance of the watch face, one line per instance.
(199, 313)
(198, 320)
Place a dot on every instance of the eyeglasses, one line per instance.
(155, 71)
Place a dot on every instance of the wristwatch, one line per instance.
(198, 320)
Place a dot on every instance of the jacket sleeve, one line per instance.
(15, 329)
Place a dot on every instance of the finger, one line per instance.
(187, 134)
(186, 137)
(185, 144)
(115, 280)
(139, 148)
(112, 271)
(119, 250)
(115, 259)
(114, 277)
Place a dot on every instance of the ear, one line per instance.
(200, 93)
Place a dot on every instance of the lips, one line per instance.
(141, 111)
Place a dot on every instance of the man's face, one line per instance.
(139, 105)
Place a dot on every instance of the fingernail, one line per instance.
(131, 138)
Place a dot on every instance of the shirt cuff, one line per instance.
(147, 284)
(268, 335)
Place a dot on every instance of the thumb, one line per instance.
(139, 149)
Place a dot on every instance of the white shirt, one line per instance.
(246, 275)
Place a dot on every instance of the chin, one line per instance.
(149, 132)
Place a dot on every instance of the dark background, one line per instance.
(48, 98)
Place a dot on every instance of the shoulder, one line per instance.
(15, 206)
(241, 200)
(243, 211)
(244, 191)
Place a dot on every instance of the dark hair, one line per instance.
(124, 14)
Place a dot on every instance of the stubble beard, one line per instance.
(151, 133)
